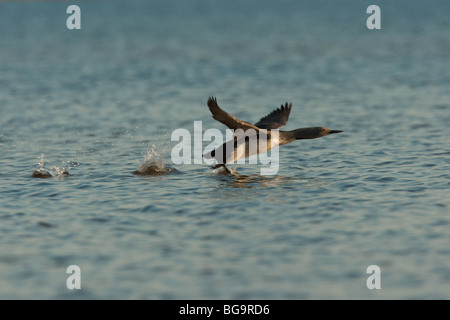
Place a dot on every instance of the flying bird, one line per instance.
(247, 137)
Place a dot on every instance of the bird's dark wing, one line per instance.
(226, 118)
(276, 119)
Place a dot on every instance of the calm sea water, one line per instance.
(101, 102)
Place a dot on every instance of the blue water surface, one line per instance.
(101, 103)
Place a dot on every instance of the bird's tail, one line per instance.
(217, 166)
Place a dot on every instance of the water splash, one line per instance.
(153, 164)
(41, 171)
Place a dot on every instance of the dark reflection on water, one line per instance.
(254, 180)
(276, 182)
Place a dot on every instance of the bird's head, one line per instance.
(325, 131)
(313, 132)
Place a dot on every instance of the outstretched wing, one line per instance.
(226, 118)
(276, 119)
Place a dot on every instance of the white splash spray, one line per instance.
(41, 171)
(153, 164)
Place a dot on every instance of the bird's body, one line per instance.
(244, 145)
(250, 139)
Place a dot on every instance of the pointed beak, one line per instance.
(335, 131)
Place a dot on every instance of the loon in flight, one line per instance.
(240, 147)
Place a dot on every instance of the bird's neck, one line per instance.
(286, 137)
(304, 133)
